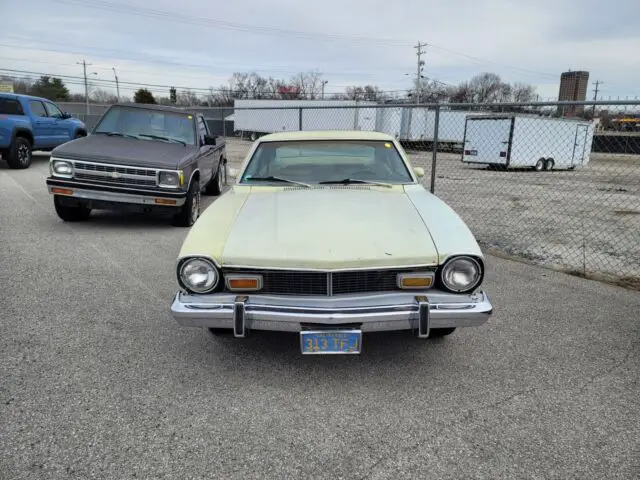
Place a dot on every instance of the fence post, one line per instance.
(436, 127)
(300, 119)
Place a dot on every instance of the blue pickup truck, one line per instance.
(31, 123)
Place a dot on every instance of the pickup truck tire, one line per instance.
(441, 332)
(190, 211)
(19, 153)
(214, 187)
(69, 213)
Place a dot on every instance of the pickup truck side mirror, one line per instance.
(209, 140)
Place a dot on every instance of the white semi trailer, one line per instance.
(416, 125)
(254, 118)
(527, 141)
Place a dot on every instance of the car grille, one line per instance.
(293, 282)
(113, 174)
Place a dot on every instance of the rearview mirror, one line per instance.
(209, 140)
(419, 171)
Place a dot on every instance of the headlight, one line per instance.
(171, 179)
(461, 274)
(198, 275)
(61, 168)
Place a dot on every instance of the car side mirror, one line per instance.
(65, 115)
(419, 171)
(209, 140)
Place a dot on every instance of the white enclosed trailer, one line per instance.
(259, 117)
(527, 141)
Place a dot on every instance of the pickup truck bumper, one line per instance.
(106, 195)
(368, 313)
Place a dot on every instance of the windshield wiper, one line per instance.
(158, 137)
(277, 179)
(115, 134)
(347, 181)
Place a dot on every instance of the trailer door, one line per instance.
(580, 145)
(487, 140)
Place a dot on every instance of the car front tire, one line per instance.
(190, 211)
(70, 213)
(19, 154)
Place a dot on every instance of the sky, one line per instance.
(199, 43)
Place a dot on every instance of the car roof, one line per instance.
(156, 107)
(15, 96)
(326, 135)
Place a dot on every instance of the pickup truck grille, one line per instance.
(112, 174)
(293, 282)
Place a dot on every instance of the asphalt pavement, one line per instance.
(98, 381)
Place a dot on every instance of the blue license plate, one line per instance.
(315, 342)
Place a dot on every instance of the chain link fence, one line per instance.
(555, 191)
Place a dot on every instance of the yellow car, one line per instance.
(330, 234)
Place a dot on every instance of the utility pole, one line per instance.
(324, 82)
(117, 84)
(597, 83)
(86, 86)
(420, 68)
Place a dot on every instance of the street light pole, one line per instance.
(324, 82)
(117, 84)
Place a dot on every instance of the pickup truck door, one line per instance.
(61, 128)
(42, 124)
(207, 154)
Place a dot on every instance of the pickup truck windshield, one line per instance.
(149, 125)
(327, 161)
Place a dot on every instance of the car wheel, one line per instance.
(549, 164)
(441, 332)
(80, 135)
(190, 211)
(214, 187)
(540, 164)
(19, 153)
(71, 213)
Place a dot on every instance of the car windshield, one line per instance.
(148, 124)
(326, 161)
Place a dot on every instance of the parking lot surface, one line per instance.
(97, 380)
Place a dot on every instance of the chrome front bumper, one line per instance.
(369, 313)
(114, 194)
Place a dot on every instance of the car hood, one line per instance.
(328, 228)
(126, 151)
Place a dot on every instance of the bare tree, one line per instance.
(187, 98)
(103, 96)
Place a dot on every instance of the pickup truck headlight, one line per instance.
(198, 275)
(461, 274)
(61, 168)
(171, 179)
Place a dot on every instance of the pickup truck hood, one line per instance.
(328, 228)
(126, 151)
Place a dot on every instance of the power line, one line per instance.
(228, 25)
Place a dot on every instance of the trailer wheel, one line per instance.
(540, 165)
(549, 164)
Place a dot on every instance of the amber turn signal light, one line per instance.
(165, 201)
(61, 191)
(243, 283)
(415, 280)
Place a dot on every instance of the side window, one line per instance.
(202, 129)
(10, 107)
(52, 110)
(37, 108)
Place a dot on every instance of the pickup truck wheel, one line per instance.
(214, 187)
(190, 211)
(441, 332)
(71, 213)
(19, 153)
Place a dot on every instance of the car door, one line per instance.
(206, 157)
(61, 128)
(43, 125)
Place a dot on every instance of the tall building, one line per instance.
(573, 87)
